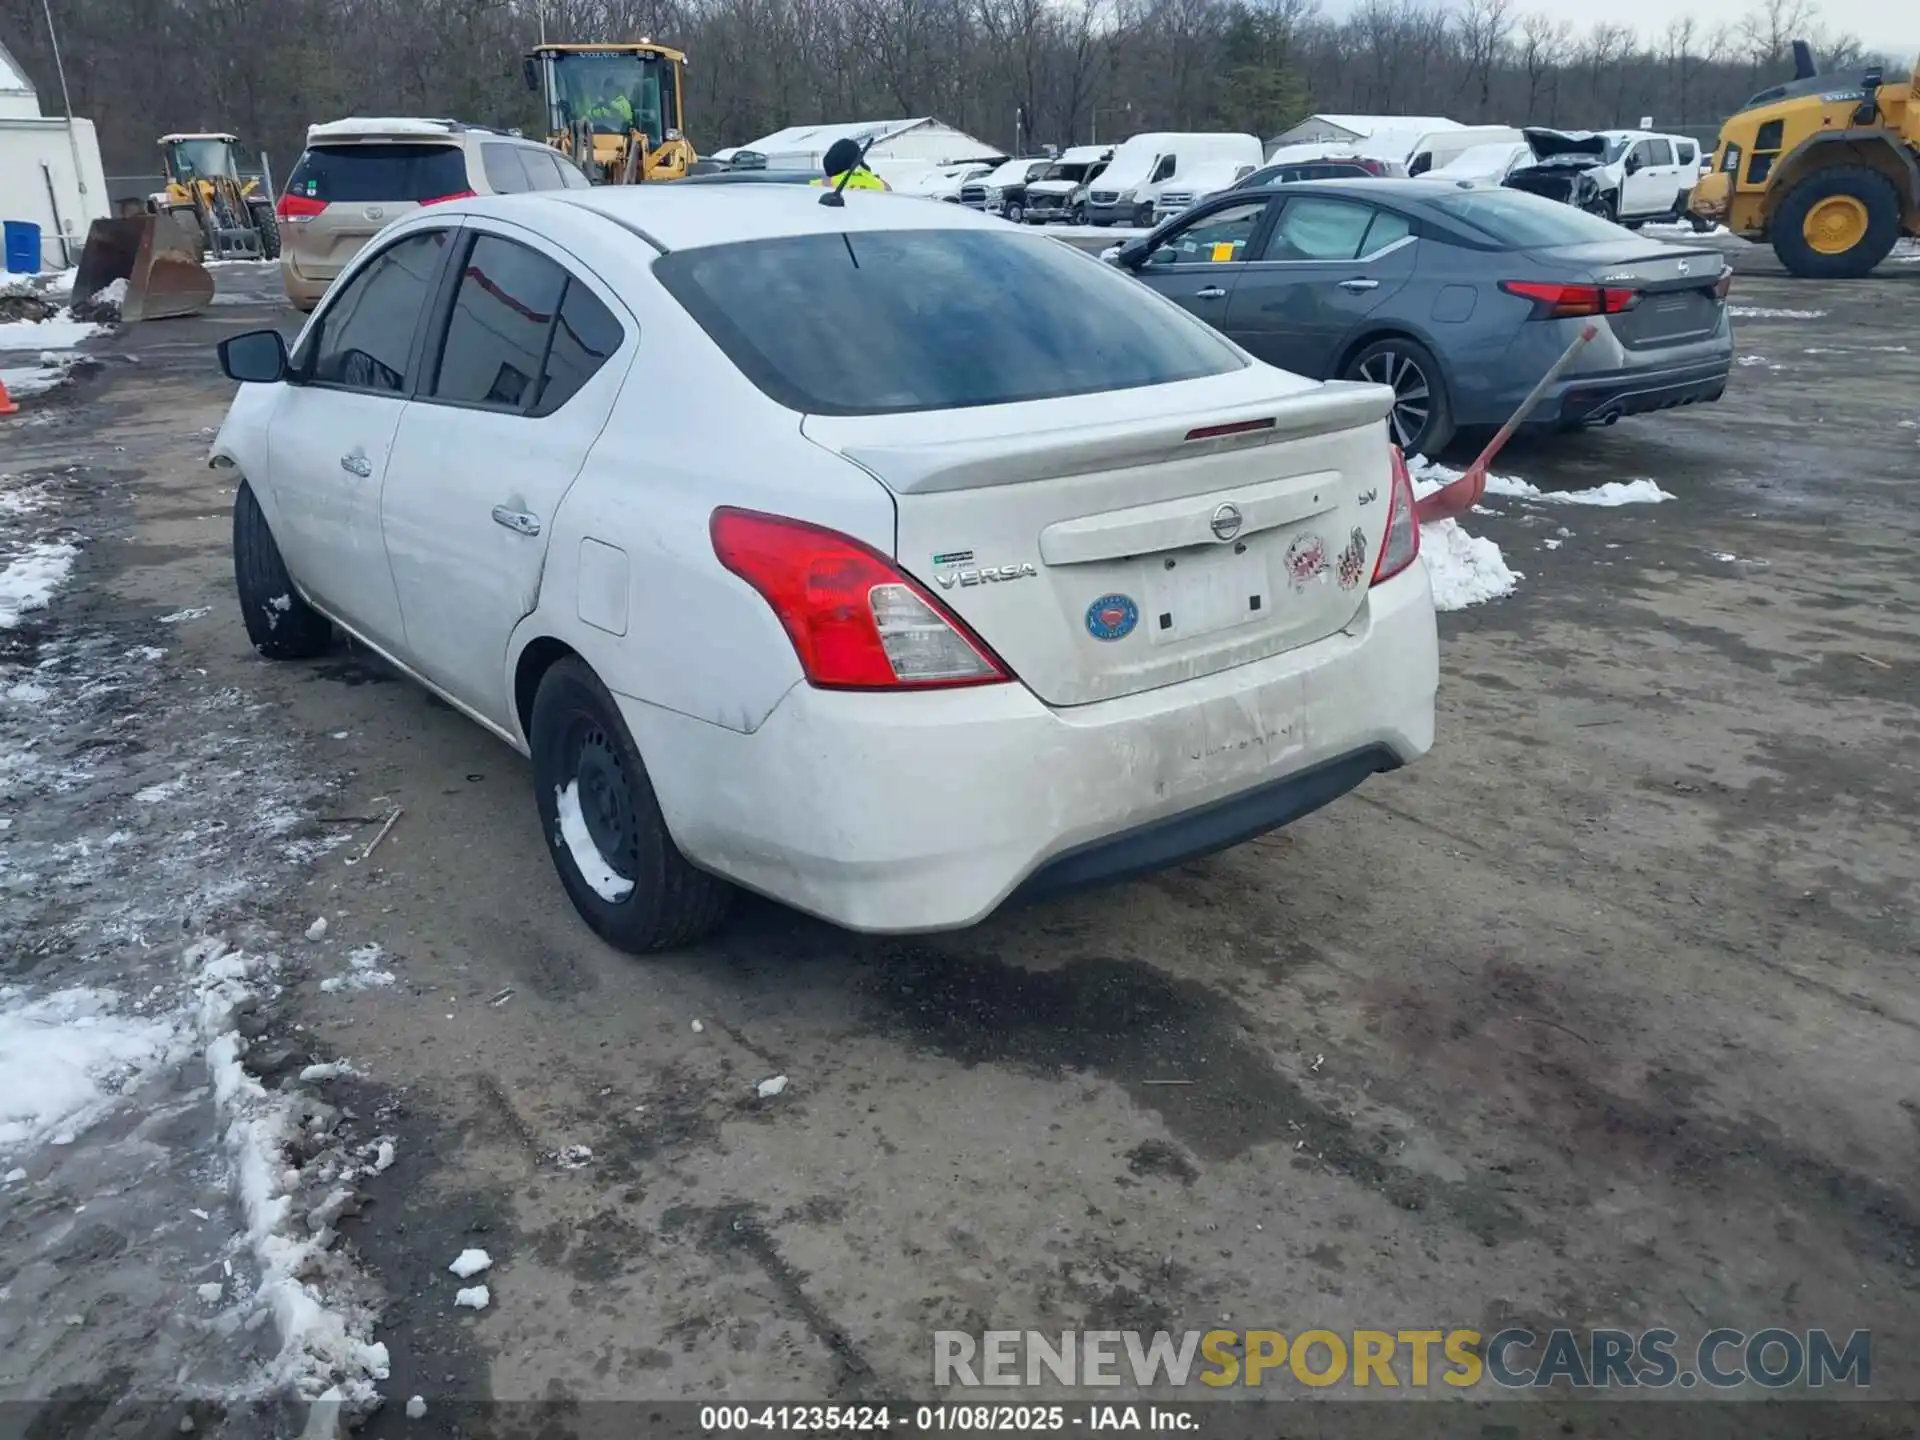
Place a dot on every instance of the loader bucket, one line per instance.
(159, 258)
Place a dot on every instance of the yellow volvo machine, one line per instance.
(1825, 168)
(203, 179)
(615, 109)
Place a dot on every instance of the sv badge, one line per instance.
(985, 575)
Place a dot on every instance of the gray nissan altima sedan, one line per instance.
(1458, 296)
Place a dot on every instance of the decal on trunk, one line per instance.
(1112, 617)
(1306, 560)
(1353, 559)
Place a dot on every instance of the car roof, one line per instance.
(1383, 187)
(678, 216)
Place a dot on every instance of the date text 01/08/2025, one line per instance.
(934, 1419)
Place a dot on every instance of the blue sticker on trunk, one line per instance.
(1112, 617)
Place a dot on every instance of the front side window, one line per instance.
(365, 335)
(1164, 170)
(874, 322)
(1316, 229)
(1214, 239)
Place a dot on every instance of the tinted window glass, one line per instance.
(505, 174)
(586, 335)
(497, 336)
(379, 172)
(1659, 152)
(1387, 229)
(1685, 155)
(1517, 220)
(366, 332)
(1214, 239)
(1311, 229)
(570, 175)
(1164, 170)
(873, 322)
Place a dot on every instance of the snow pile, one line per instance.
(469, 1263)
(474, 1298)
(23, 382)
(60, 331)
(1465, 569)
(66, 1056)
(325, 1352)
(1756, 312)
(1613, 493)
(31, 577)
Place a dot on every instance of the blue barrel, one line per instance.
(23, 246)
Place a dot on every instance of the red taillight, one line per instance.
(296, 209)
(1400, 547)
(856, 622)
(443, 199)
(1723, 284)
(1560, 302)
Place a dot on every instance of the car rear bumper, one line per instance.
(1599, 399)
(927, 811)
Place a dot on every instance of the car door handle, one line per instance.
(1211, 292)
(518, 521)
(1355, 287)
(356, 465)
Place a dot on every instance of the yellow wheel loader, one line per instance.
(614, 110)
(1825, 168)
(203, 177)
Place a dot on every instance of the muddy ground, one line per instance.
(1605, 1013)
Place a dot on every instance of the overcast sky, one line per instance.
(1884, 24)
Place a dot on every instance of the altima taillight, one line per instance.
(1401, 545)
(856, 621)
(1562, 302)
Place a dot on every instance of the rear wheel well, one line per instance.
(539, 657)
(1387, 332)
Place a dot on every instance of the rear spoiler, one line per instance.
(918, 469)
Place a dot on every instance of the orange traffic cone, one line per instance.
(7, 407)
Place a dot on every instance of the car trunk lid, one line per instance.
(1111, 543)
(1677, 284)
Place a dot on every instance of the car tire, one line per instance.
(1016, 212)
(1079, 214)
(1869, 190)
(280, 624)
(1421, 422)
(579, 740)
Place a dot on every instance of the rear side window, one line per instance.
(523, 334)
(1312, 229)
(366, 332)
(1685, 155)
(884, 322)
(1658, 152)
(379, 171)
(505, 173)
(1516, 220)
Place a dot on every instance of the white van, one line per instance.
(1442, 147)
(1165, 162)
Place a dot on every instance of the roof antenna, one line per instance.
(832, 197)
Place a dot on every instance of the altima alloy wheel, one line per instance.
(1412, 394)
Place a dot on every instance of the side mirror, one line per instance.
(1132, 255)
(1163, 255)
(258, 357)
(1633, 164)
(530, 70)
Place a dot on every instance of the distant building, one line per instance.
(50, 173)
(1343, 129)
(898, 145)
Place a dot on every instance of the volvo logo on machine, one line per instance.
(1227, 521)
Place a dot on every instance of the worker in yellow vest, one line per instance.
(842, 156)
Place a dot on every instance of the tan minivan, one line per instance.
(358, 176)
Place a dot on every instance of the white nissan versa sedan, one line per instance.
(885, 558)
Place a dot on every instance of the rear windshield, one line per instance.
(1516, 219)
(879, 322)
(332, 173)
